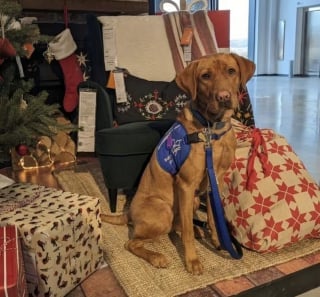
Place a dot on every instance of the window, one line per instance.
(239, 24)
(175, 5)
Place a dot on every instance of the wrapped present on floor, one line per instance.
(61, 236)
(12, 276)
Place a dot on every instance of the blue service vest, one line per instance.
(173, 149)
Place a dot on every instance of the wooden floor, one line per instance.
(291, 106)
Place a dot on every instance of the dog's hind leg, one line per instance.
(155, 220)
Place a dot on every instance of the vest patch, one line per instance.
(173, 150)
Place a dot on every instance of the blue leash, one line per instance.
(227, 241)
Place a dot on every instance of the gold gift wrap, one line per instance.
(61, 237)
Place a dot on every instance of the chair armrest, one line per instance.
(104, 114)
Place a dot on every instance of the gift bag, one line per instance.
(270, 199)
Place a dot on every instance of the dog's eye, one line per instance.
(206, 76)
(231, 71)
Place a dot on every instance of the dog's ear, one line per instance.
(247, 68)
(187, 79)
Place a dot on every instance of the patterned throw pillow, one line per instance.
(149, 100)
(157, 100)
(270, 199)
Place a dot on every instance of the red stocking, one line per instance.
(63, 47)
(72, 75)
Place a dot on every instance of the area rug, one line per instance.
(138, 278)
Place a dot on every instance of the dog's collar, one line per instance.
(202, 120)
(208, 134)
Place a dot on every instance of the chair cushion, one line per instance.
(149, 100)
(132, 138)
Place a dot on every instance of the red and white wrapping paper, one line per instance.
(12, 277)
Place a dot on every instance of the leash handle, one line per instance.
(227, 241)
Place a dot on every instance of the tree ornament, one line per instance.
(14, 25)
(29, 49)
(22, 149)
(48, 55)
(6, 49)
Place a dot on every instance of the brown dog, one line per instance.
(165, 201)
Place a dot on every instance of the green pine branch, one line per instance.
(11, 9)
(23, 118)
(26, 124)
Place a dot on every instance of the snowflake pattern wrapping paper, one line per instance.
(270, 199)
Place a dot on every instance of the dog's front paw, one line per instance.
(195, 267)
(158, 260)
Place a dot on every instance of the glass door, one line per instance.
(312, 42)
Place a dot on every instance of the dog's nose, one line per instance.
(223, 96)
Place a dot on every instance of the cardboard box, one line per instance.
(61, 237)
(12, 276)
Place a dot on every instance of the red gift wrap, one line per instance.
(12, 277)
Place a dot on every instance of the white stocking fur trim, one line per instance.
(63, 45)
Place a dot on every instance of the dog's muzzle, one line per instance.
(224, 100)
(223, 96)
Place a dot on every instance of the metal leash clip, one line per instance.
(207, 134)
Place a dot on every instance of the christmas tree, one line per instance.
(23, 117)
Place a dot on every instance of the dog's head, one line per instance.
(213, 82)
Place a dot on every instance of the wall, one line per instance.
(288, 13)
(268, 15)
(265, 52)
(102, 6)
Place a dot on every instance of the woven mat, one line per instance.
(138, 278)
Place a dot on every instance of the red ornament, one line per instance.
(22, 149)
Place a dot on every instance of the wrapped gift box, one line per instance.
(12, 277)
(61, 236)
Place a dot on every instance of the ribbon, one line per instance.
(65, 14)
(258, 150)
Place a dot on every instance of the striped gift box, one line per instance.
(12, 277)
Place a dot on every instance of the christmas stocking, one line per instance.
(63, 47)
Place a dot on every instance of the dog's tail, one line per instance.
(121, 219)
